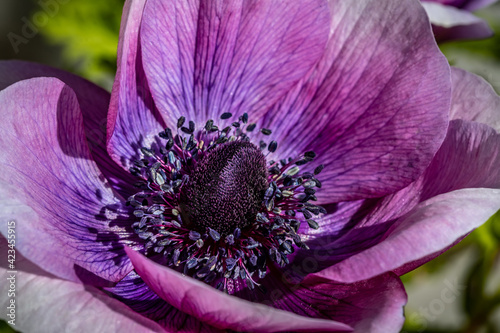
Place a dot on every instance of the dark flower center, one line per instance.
(226, 189)
(211, 205)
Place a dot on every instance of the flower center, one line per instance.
(211, 205)
(226, 189)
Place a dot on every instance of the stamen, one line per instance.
(212, 207)
(226, 115)
(265, 131)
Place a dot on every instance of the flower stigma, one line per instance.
(211, 206)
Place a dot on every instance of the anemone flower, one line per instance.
(452, 19)
(262, 166)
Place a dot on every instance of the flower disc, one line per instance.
(226, 189)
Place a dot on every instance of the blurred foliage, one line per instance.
(482, 293)
(481, 297)
(479, 56)
(5, 328)
(88, 33)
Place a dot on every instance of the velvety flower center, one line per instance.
(226, 189)
(210, 204)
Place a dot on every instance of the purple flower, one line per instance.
(451, 19)
(188, 170)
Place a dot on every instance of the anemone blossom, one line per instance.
(260, 166)
(452, 19)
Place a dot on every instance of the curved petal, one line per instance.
(132, 119)
(474, 99)
(376, 107)
(44, 303)
(340, 218)
(203, 58)
(133, 292)
(51, 187)
(327, 250)
(52, 305)
(433, 225)
(468, 158)
(451, 23)
(373, 306)
(93, 101)
(221, 310)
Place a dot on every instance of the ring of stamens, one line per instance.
(172, 220)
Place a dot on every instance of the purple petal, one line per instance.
(474, 99)
(368, 306)
(133, 119)
(468, 158)
(450, 23)
(219, 309)
(328, 250)
(133, 292)
(433, 225)
(203, 58)
(93, 102)
(51, 187)
(373, 306)
(44, 303)
(340, 217)
(347, 228)
(375, 109)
